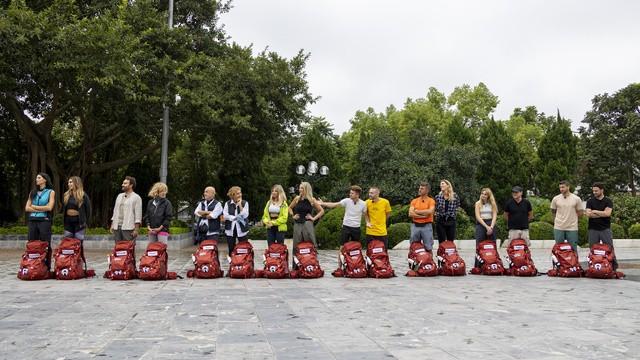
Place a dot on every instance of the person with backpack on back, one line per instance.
(159, 213)
(127, 212)
(207, 213)
(275, 215)
(40, 206)
(354, 209)
(236, 215)
(599, 208)
(566, 208)
(421, 212)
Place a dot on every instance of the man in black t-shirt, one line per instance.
(518, 213)
(599, 209)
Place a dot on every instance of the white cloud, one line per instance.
(551, 54)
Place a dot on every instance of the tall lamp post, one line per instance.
(164, 156)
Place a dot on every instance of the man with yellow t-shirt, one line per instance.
(378, 212)
(421, 212)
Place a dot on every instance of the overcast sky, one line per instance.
(551, 54)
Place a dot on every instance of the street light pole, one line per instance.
(164, 156)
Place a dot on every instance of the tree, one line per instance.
(501, 161)
(610, 144)
(557, 157)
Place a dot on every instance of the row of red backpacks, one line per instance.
(564, 260)
(70, 263)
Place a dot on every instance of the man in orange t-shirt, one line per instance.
(421, 212)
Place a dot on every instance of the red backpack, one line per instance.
(153, 264)
(306, 258)
(421, 261)
(276, 262)
(378, 260)
(353, 263)
(241, 264)
(206, 261)
(122, 261)
(565, 261)
(33, 265)
(520, 262)
(601, 263)
(489, 259)
(69, 262)
(451, 264)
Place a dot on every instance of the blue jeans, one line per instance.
(481, 232)
(424, 234)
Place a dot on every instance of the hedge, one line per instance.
(634, 231)
(618, 231)
(539, 230)
(397, 233)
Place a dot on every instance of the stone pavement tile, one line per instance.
(246, 350)
(420, 353)
(362, 355)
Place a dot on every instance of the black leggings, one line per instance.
(446, 232)
(231, 240)
(41, 230)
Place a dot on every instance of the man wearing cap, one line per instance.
(518, 213)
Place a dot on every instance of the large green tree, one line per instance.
(557, 154)
(610, 141)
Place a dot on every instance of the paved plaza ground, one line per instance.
(471, 317)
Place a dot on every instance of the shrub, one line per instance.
(398, 232)
(176, 223)
(626, 210)
(467, 232)
(618, 231)
(548, 218)
(501, 225)
(257, 233)
(540, 207)
(329, 227)
(464, 221)
(399, 214)
(634, 231)
(583, 231)
(540, 231)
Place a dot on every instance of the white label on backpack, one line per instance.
(274, 255)
(599, 252)
(121, 253)
(34, 256)
(354, 252)
(67, 252)
(377, 250)
(242, 251)
(208, 247)
(566, 247)
(421, 250)
(488, 246)
(305, 251)
(152, 253)
(518, 247)
(450, 251)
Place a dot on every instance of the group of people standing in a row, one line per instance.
(212, 216)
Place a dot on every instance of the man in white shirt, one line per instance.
(207, 214)
(127, 212)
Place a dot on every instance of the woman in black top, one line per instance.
(301, 210)
(76, 209)
(159, 213)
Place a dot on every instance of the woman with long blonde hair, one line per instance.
(236, 213)
(76, 209)
(301, 210)
(275, 215)
(447, 204)
(159, 213)
(486, 213)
